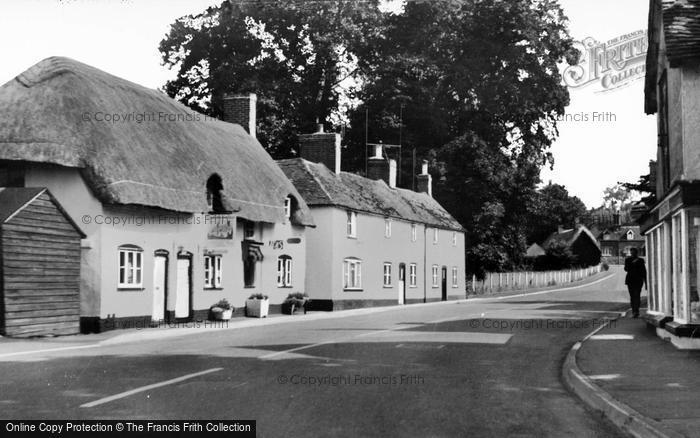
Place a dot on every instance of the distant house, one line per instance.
(671, 227)
(580, 241)
(617, 242)
(179, 210)
(375, 244)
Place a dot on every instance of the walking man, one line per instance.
(636, 278)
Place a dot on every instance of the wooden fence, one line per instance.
(524, 280)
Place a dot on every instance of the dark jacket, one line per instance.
(636, 271)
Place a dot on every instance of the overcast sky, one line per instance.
(122, 36)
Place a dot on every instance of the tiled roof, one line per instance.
(319, 186)
(620, 233)
(681, 20)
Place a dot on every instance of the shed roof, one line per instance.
(14, 199)
(321, 187)
(159, 153)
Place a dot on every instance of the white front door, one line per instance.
(402, 283)
(182, 292)
(158, 313)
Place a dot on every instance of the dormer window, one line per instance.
(352, 224)
(630, 235)
(288, 207)
(214, 194)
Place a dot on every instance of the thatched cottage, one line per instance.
(179, 210)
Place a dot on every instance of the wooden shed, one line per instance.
(40, 265)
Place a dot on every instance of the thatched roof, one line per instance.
(48, 114)
(321, 187)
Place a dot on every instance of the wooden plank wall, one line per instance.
(41, 272)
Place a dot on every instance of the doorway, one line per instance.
(160, 275)
(444, 283)
(402, 283)
(183, 290)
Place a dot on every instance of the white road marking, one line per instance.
(612, 337)
(440, 337)
(605, 376)
(147, 387)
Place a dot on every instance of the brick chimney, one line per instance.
(240, 109)
(321, 147)
(380, 168)
(424, 182)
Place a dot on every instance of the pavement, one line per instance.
(643, 384)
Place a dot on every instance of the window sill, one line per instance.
(413, 287)
(249, 287)
(131, 288)
(352, 237)
(284, 287)
(353, 290)
(213, 288)
(388, 287)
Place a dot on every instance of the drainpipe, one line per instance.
(425, 263)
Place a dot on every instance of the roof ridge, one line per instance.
(306, 163)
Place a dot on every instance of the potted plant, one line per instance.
(257, 306)
(294, 302)
(222, 311)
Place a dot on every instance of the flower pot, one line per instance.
(222, 315)
(257, 308)
(292, 306)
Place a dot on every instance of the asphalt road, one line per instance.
(481, 368)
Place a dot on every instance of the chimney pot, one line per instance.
(424, 168)
(319, 129)
(378, 151)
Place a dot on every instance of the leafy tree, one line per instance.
(617, 196)
(553, 207)
(644, 187)
(476, 183)
(486, 67)
(479, 90)
(296, 55)
(558, 256)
